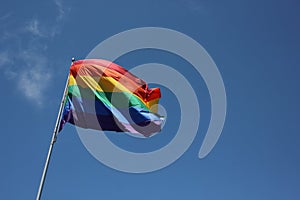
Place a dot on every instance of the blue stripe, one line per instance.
(131, 115)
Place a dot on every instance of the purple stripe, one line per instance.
(100, 122)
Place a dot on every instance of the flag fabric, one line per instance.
(104, 96)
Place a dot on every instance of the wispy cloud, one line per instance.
(33, 83)
(28, 45)
(62, 13)
(38, 29)
(61, 9)
(5, 62)
(195, 6)
(33, 26)
(5, 17)
(4, 58)
(35, 78)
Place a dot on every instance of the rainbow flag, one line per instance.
(104, 96)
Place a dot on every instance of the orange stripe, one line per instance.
(113, 77)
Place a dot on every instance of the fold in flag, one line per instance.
(104, 96)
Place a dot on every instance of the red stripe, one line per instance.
(97, 67)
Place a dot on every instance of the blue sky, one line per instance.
(255, 45)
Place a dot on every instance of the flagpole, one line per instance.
(53, 140)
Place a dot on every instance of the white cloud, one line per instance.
(195, 6)
(35, 78)
(62, 13)
(33, 26)
(5, 17)
(32, 78)
(4, 58)
(42, 30)
(10, 74)
(5, 62)
(33, 84)
(29, 45)
(61, 9)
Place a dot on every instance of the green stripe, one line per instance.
(120, 99)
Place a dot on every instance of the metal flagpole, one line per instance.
(53, 140)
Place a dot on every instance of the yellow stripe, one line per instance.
(153, 105)
(85, 82)
(108, 84)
